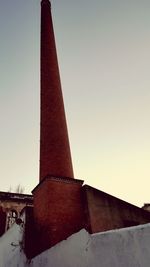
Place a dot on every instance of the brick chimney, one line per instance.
(55, 156)
(58, 210)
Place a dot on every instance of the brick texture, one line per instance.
(55, 155)
(58, 210)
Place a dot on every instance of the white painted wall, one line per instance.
(129, 247)
(10, 243)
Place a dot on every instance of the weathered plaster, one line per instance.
(128, 247)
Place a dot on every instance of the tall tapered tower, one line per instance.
(55, 156)
(58, 210)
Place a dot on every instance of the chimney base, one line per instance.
(58, 210)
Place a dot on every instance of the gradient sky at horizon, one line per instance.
(104, 57)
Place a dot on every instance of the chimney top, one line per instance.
(45, 2)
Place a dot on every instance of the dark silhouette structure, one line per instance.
(62, 205)
(55, 156)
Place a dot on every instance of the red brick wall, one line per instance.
(62, 206)
(105, 212)
(58, 210)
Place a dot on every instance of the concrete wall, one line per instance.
(106, 212)
(11, 246)
(128, 247)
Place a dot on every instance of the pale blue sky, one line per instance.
(104, 56)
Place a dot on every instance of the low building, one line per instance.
(11, 206)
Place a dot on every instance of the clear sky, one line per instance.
(104, 56)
